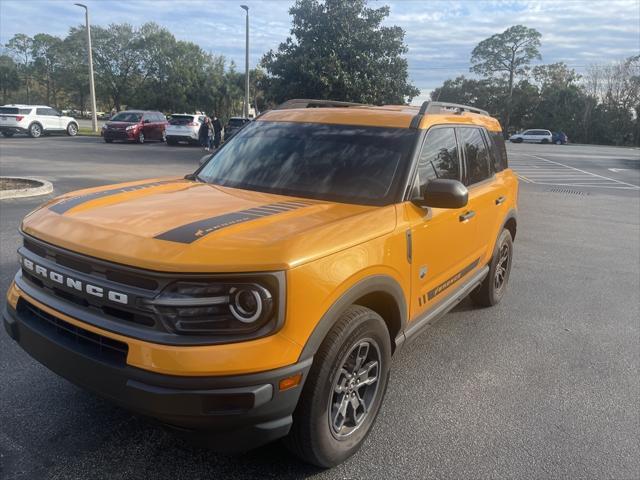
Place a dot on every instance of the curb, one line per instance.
(45, 188)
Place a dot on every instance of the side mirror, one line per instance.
(444, 193)
(146, 120)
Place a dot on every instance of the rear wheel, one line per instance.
(344, 391)
(72, 129)
(492, 289)
(35, 130)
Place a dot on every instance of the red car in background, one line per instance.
(135, 125)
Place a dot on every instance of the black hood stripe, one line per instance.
(67, 204)
(191, 232)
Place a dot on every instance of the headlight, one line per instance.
(131, 127)
(219, 308)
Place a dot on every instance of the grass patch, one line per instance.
(88, 132)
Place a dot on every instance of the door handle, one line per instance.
(500, 200)
(467, 216)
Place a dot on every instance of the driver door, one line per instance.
(442, 239)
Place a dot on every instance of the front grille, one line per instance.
(87, 343)
(89, 267)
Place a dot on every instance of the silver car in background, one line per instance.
(184, 128)
(532, 136)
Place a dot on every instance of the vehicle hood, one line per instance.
(120, 124)
(177, 225)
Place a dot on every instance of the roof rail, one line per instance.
(443, 107)
(309, 103)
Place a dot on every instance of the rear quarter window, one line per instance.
(498, 151)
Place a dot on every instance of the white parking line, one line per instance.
(542, 171)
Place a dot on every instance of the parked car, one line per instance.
(183, 127)
(264, 295)
(35, 120)
(135, 125)
(560, 138)
(234, 125)
(532, 136)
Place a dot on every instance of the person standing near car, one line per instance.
(203, 133)
(217, 130)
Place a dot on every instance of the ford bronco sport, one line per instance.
(264, 295)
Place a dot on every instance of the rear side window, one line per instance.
(476, 154)
(439, 157)
(50, 112)
(498, 151)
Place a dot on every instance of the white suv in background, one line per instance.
(532, 136)
(183, 127)
(34, 120)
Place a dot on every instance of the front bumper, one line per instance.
(112, 134)
(229, 413)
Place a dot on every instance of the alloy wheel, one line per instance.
(502, 268)
(354, 388)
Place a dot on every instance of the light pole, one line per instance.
(246, 66)
(94, 120)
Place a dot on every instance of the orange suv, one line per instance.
(265, 295)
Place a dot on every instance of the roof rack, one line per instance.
(309, 103)
(443, 107)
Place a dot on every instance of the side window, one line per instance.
(499, 150)
(476, 154)
(439, 157)
(44, 111)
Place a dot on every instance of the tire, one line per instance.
(558, 142)
(72, 129)
(323, 433)
(141, 138)
(7, 134)
(164, 137)
(108, 140)
(492, 289)
(171, 142)
(544, 140)
(517, 140)
(35, 130)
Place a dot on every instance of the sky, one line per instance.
(440, 35)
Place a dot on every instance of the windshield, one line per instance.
(236, 122)
(344, 163)
(132, 117)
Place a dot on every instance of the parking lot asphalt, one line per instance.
(544, 385)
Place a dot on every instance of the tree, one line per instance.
(508, 55)
(9, 78)
(338, 49)
(74, 73)
(21, 46)
(47, 62)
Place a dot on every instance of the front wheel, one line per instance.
(141, 138)
(544, 140)
(492, 289)
(344, 391)
(72, 129)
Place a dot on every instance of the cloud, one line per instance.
(440, 34)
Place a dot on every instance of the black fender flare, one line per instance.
(511, 215)
(372, 284)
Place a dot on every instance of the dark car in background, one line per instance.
(135, 126)
(559, 138)
(234, 125)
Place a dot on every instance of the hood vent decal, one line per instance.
(191, 232)
(67, 204)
